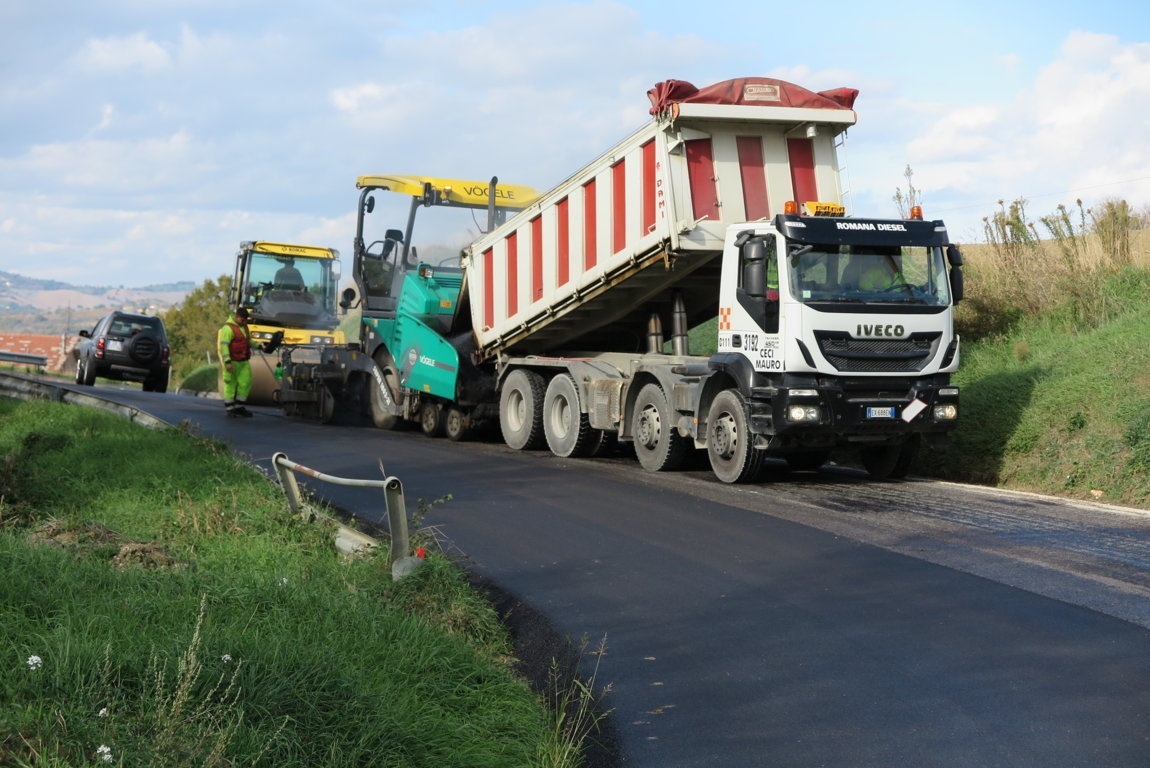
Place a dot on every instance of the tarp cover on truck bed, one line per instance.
(749, 91)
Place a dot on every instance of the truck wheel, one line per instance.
(456, 424)
(565, 426)
(807, 461)
(603, 443)
(521, 410)
(431, 419)
(891, 462)
(381, 417)
(658, 445)
(730, 444)
(881, 461)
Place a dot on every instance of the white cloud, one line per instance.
(110, 166)
(1074, 132)
(157, 136)
(120, 54)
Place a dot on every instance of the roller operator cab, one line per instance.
(835, 332)
(290, 292)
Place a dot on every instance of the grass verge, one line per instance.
(1057, 406)
(161, 607)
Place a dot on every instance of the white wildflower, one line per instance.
(34, 662)
(104, 752)
(103, 712)
(283, 581)
(226, 658)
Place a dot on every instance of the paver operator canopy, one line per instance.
(381, 259)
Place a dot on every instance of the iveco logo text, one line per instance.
(896, 331)
(870, 226)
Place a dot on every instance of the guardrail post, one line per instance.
(401, 562)
(289, 484)
(396, 517)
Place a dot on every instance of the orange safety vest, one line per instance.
(240, 347)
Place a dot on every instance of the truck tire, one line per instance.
(730, 444)
(431, 419)
(565, 426)
(381, 417)
(807, 461)
(906, 457)
(658, 445)
(879, 461)
(891, 462)
(521, 410)
(456, 425)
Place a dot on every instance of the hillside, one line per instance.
(28, 305)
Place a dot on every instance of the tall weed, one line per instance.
(1055, 267)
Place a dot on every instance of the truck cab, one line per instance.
(839, 329)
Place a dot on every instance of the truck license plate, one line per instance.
(115, 345)
(883, 412)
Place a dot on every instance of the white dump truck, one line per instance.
(570, 321)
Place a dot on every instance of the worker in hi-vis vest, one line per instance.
(235, 346)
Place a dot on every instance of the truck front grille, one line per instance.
(908, 355)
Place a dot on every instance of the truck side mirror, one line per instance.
(954, 256)
(956, 282)
(754, 267)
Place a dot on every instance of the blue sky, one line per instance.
(142, 140)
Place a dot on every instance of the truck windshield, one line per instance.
(869, 274)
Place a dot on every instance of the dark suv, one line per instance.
(125, 347)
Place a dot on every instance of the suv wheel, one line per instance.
(144, 348)
(157, 382)
(84, 373)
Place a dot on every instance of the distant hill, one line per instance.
(29, 305)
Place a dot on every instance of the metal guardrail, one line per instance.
(23, 359)
(402, 562)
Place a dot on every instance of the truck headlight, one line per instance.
(803, 413)
(947, 412)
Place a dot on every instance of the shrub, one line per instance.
(202, 379)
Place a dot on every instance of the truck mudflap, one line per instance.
(854, 412)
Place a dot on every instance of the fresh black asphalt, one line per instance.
(738, 638)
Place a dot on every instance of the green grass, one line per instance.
(1055, 403)
(159, 601)
(1058, 406)
(202, 379)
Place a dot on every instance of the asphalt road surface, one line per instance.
(816, 619)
